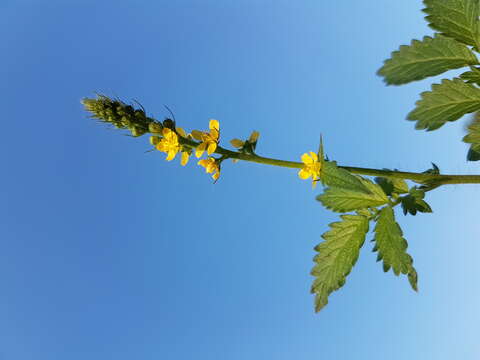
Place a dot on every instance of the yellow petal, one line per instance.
(314, 156)
(172, 137)
(166, 132)
(254, 137)
(181, 132)
(214, 124)
(306, 159)
(216, 175)
(237, 143)
(200, 149)
(211, 148)
(185, 157)
(214, 135)
(197, 135)
(171, 154)
(161, 146)
(203, 162)
(304, 174)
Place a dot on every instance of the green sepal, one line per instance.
(337, 255)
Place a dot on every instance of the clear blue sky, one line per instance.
(108, 252)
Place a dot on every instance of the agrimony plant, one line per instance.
(364, 198)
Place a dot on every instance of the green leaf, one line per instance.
(473, 138)
(447, 101)
(433, 170)
(454, 18)
(344, 200)
(472, 76)
(399, 186)
(392, 185)
(392, 247)
(473, 155)
(414, 202)
(332, 175)
(337, 255)
(421, 59)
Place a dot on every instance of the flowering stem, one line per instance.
(434, 180)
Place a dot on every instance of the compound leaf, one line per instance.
(447, 101)
(455, 18)
(337, 255)
(392, 247)
(429, 57)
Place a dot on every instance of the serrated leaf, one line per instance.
(392, 185)
(454, 18)
(472, 76)
(423, 207)
(337, 255)
(473, 155)
(334, 176)
(409, 205)
(400, 186)
(473, 138)
(392, 247)
(414, 202)
(421, 59)
(345, 200)
(447, 101)
(385, 184)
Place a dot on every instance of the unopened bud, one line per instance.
(154, 140)
(169, 124)
(155, 128)
(137, 131)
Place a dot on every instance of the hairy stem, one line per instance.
(434, 180)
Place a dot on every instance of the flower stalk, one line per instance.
(124, 116)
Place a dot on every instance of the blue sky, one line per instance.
(111, 252)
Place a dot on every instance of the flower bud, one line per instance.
(137, 131)
(169, 124)
(154, 140)
(155, 128)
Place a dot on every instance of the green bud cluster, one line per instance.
(120, 115)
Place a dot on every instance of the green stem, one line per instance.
(432, 180)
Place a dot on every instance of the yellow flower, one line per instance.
(211, 166)
(169, 143)
(240, 143)
(209, 140)
(311, 168)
